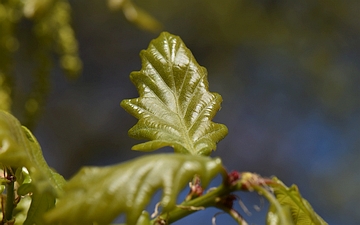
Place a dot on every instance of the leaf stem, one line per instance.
(235, 215)
(222, 198)
(10, 196)
(207, 200)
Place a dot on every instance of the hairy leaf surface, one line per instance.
(301, 210)
(175, 107)
(100, 194)
(19, 149)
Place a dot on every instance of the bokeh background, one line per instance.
(288, 72)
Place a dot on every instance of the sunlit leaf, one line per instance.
(301, 211)
(20, 149)
(100, 194)
(175, 107)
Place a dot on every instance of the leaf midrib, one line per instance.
(184, 129)
(189, 145)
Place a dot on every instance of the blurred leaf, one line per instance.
(144, 219)
(53, 33)
(5, 91)
(100, 194)
(136, 15)
(19, 148)
(175, 107)
(43, 193)
(301, 210)
(40, 203)
(33, 8)
(20, 212)
(22, 175)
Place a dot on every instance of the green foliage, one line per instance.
(19, 149)
(5, 92)
(9, 15)
(51, 32)
(175, 107)
(99, 194)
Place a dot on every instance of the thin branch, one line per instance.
(10, 195)
(222, 198)
(206, 200)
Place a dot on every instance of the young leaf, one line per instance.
(301, 210)
(19, 149)
(44, 187)
(99, 195)
(175, 107)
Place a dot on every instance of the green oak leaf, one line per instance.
(19, 149)
(301, 211)
(100, 194)
(175, 107)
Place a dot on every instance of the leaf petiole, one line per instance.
(10, 196)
